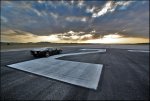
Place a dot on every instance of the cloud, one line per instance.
(37, 12)
(90, 10)
(75, 36)
(22, 36)
(93, 31)
(15, 32)
(7, 32)
(54, 15)
(97, 18)
(13, 35)
(80, 3)
(70, 36)
(75, 18)
(41, 1)
(110, 6)
(123, 4)
(4, 19)
(104, 10)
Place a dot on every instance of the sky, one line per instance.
(75, 21)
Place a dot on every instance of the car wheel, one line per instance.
(47, 54)
(58, 52)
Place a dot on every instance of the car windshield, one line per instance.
(50, 48)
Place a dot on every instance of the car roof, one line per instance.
(42, 49)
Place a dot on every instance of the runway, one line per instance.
(77, 73)
(125, 76)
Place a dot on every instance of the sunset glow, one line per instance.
(75, 21)
(119, 40)
(111, 38)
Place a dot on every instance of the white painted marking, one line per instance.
(89, 49)
(138, 51)
(77, 73)
(21, 49)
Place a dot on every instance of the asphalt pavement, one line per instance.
(125, 76)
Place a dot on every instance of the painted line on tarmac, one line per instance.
(77, 73)
(145, 51)
(21, 49)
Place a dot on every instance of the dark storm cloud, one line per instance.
(130, 18)
(132, 22)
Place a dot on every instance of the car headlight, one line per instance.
(35, 52)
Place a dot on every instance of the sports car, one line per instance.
(45, 52)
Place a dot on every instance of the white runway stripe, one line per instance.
(139, 51)
(77, 73)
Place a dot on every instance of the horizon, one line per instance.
(67, 43)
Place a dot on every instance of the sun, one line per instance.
(111, 38)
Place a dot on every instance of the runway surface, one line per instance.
(77, 73)
(125, 76)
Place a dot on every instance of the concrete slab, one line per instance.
(77, 73)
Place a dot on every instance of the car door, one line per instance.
(49, 51)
